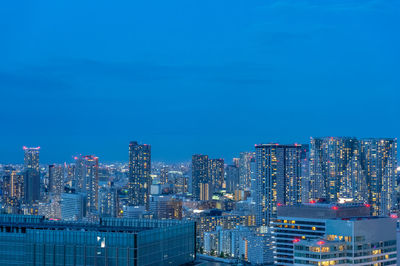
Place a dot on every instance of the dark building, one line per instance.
(31, 174)
(232, 178)
(56, 179)
(87, 180)
(201, 185)
(139, 174)
(32, 240)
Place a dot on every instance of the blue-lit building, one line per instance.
(33, 240)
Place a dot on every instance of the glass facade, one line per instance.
(26, 240)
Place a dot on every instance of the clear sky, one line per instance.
(190, 76)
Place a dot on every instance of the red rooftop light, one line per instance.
(321, 242)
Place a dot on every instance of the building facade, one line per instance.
(31, 174)
(201, 185)
(139, 174)
(278, 179)
(32, 240)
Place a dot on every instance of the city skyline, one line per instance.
(186, 77)
(228, 159)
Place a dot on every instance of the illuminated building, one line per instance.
(348, 169)
(108, 201)
(335, 169)
(165, 207)
(12, 189)
(87, 175)
(245, 169)
(56, 179)
(33, 240)
(31, 174)
(351, 242)
(278, 179)
(350, 222)
(379, 158)
(216, 173)
(139, 174)
(200, 181)
(178, 180)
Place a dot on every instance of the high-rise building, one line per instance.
(333, 234)
(379, 161)
(278, 179)
(200, 181)
(335, 169)
(245, 169)
(348, 169)
(216, 173)
(12, 189)
(56, 179)
(139, 174)
(87, 177)
(33, 240)
(31, 174)
(232, 178)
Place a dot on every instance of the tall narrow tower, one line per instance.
(139, 174)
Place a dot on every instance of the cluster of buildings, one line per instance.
(321, 203)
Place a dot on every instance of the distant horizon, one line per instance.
(228, 159)
(212, 77)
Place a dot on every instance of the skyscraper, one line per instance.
(379, 161)
(31, 174)
(278, 179)
(139, 174)
(87, 175)
(216, 172)
(56, 179)
(200, 180)
(232, 178)
(335, 169)
(245, 169)
(348, 169)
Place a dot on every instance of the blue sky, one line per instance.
(211, 77)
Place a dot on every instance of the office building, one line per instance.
(139, 174)
(165, 207)
(350, 224)
(278, 179)
(33, 240)
(73, 206)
